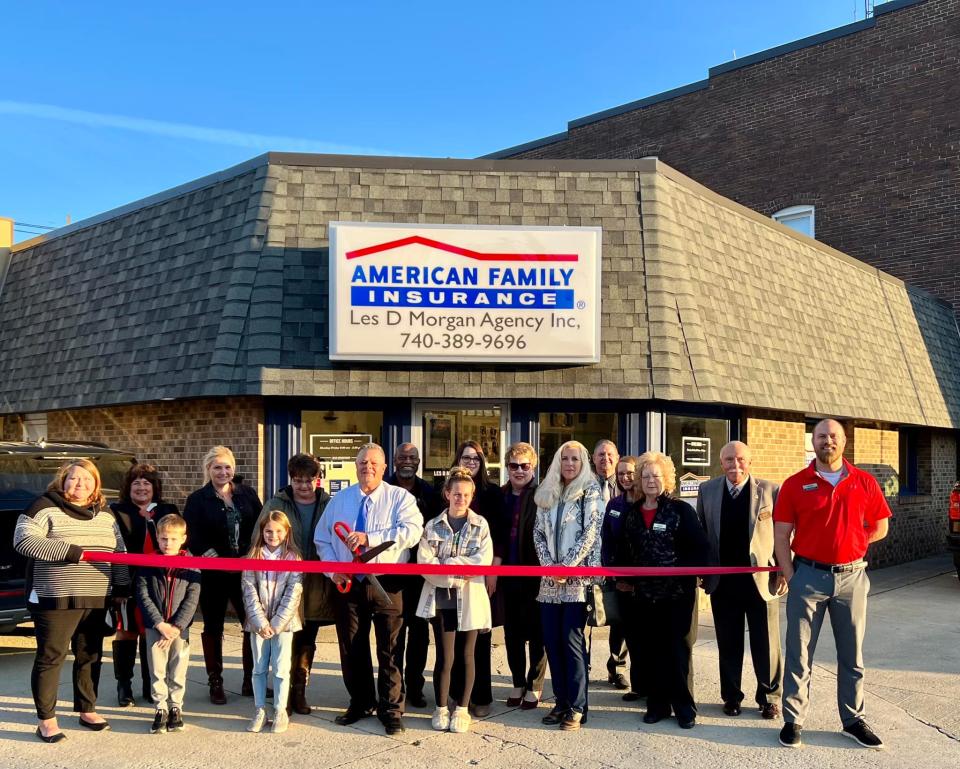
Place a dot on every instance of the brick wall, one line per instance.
(861, 126)
(174, 435)
(919, 524)
(878, 452)
(11, 427)
(776, 446)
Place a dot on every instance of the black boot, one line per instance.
(213, 659)
(246, 688)
(124, 657)
(300, 678)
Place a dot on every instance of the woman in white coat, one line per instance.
(570, 512)
(458, 607)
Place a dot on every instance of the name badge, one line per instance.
(659, 527)
(809, 487)
(613, 513)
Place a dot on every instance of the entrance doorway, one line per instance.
(439, 427)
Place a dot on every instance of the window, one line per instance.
(334, 437)
(694, 443)
(799, 218)
(558, 427)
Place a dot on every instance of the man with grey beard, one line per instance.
(414, 638)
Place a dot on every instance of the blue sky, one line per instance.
(104, 103)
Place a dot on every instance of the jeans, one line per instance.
(566, 646)
(276, 651)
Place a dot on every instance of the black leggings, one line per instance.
(452, 644)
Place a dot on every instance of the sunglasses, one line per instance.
(519, 466)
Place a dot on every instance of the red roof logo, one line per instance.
(470, 254)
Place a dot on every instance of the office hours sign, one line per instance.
(464, 293)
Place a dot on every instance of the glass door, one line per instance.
(439, 427)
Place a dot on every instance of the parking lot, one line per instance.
(913, 693)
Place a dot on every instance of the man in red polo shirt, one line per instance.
(834, 511)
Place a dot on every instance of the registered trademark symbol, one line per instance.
(581, 304)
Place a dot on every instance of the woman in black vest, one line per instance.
(660, 613)
(140, 506)
(220, 519)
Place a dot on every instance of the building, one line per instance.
(852, 134)
(202, 315)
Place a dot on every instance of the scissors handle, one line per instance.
(343, 531)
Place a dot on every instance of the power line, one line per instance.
(35, 226)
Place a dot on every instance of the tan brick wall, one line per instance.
(175, 436)
(878, 452)
(11, 427)
(776, 446)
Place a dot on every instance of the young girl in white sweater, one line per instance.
(458, 607)
(272, 603)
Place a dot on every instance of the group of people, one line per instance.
(589, 510)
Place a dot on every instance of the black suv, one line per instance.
(25, 471)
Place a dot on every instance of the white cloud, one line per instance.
(183, 130)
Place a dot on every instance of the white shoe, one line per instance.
(280, 721)
(258, 721)
(460, 720)
(441, 719)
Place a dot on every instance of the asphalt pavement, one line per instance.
(912, 653)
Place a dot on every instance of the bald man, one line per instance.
(832, 511)
(736, 509)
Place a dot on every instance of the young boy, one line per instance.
(168, 600)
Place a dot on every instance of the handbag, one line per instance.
(603, 606)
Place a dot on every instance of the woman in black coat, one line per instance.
(522, 628)
(660, 613)
(488, 503)
(220, 520)
(140, 506)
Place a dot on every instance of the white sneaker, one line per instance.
(280, 721)
(441, 719)
(258, 721)
(460, 720)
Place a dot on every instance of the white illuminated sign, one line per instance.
(463, 293)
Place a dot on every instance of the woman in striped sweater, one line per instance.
(68, 597)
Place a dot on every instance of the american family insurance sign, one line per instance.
(464, 293)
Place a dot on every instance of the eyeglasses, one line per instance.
(303, 481)
(519, 466)
(626, 475)
(472, 459)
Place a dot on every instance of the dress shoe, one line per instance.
(351, 716)
(554, 717)
(217, 695)
(528, 704)
(55, 737)
(479, 711)
(619, 681)
(770, 711)
(393, 724)
(416, 700)
(100, 726)
(731, 709)
(632, 697)
(688, 722)
(654, 715)
(515, 702)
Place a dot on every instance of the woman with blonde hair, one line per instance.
(660, 613)
(567, 533)
(220, 518)
(68, 597)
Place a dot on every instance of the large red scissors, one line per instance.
(343, 531)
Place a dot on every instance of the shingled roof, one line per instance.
(220, 288)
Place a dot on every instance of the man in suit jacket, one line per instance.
(736, 509)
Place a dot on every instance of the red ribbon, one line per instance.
(355, 567)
